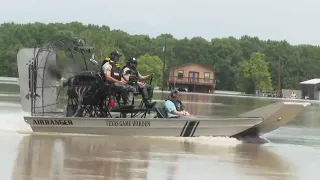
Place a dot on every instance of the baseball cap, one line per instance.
(132, 60)
(115, 53)
(174, 92)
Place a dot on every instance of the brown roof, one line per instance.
(190, 63)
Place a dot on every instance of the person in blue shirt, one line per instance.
(174, 106)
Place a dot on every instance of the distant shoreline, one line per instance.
(220, 94)
(216, 93)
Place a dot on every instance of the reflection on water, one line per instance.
(99, 157)
(264, 164)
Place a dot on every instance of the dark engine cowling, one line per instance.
(91, 83)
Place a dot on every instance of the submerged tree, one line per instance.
(253, 74)
(148, 64)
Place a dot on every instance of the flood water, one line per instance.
(293, 151)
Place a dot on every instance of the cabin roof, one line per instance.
(311, 81)
(191, 63)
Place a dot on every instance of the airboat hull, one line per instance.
(142, 127)
(252, 123)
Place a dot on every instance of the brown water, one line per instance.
(293, 153)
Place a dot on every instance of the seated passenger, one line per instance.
(112, 72)
(144, 89)
(174, 106)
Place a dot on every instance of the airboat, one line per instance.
(62, 87)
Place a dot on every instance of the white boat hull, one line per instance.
(253, 123)
(142, 127)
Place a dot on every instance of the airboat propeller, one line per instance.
(48, 69)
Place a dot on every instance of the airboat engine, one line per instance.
(86, 93)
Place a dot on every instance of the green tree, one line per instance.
(148, 64)
(253, 74)
(297, 62)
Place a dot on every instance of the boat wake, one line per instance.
(11, 117)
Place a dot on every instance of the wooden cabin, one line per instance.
(193, 77)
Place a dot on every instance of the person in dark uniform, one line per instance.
(112, 73)
(144, 89)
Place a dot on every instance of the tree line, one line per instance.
(245, 64)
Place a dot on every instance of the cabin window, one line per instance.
(180, 74)
(207, 76)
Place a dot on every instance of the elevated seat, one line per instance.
(142, 104)
(89, 94)
(134, 110)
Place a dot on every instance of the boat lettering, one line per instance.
(128, 123)
(52, 122)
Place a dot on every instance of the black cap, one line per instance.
(174, 92)
(115, 53)
(132, 60)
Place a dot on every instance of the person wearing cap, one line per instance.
(174, 106)
(112, 73)
(144, 89)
